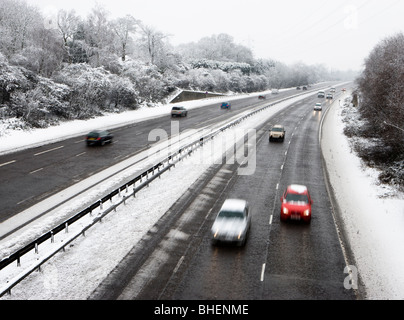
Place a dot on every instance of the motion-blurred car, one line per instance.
(318, 107)
(225, 105)
(332, 90)
(179, 111)
(330, 96)
(262, 97)
(277, 133)
(304, 88)
(296, 203)
(100, 137)
(321, 94)
(275, 91)
(233, 222)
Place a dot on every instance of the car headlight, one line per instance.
(306, 213)
(285, 210)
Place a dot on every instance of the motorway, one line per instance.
(280, 260)
(34, 174)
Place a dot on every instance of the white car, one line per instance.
(233, 222)
(277, 133)
(318, 107)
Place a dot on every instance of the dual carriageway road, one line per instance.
(279, 261)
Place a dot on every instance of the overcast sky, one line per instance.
(339, 34)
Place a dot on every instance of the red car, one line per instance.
(296, 204)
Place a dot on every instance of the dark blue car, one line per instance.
(225, 105)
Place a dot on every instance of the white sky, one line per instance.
(339, 34)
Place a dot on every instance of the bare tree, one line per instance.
(67, 25)
(152, 41)
(98, 33)
(122, 28)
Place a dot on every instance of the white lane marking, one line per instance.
(178, 264)
(270, 219)
(80, 154)
(39, 153)
(6, 163)
(36, 171)
(262, 272)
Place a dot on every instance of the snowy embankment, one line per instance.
(372, 214)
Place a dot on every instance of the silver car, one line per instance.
(233, 222)
(179, 111)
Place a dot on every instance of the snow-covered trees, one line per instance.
(68, 66)
(382, 102)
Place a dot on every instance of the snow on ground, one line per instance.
(373, 222)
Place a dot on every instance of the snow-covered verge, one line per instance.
(372, 214)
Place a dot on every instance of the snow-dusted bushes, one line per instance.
(95, 90)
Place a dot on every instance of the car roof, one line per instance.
(297, 188)
(278, 126)
(234, 205)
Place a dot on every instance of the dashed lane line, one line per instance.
(46, 151)
(6, 163)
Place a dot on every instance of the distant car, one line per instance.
(275, 91)
(298, 88)
(100, 137)
(262, 97)
(233, 223)
(318, 107)
(225, 105)
(296, 204)
(332, 90)
(179, 111)
(343, 90)
(277, 133)
(330, 96)
(321, 94)
(304, 88)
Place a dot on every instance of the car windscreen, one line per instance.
(277, 129)
(296, 198)
(231, 214)
(93, 135)
(176, 108)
